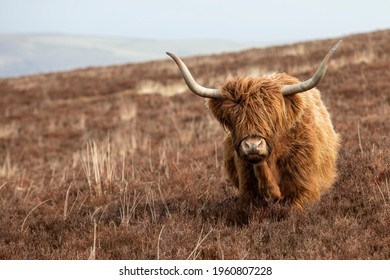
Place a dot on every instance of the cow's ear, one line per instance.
(222, 110)
(294, 106)
(224, 119)
(227, 125)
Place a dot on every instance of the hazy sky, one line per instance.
(261, 21)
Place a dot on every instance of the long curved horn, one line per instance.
(313, 81)
(191, 83)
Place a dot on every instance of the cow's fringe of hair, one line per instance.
(254, 105)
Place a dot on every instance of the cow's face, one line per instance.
(251, 109)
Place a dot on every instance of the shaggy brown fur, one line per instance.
(300, 136)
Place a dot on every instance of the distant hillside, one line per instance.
(31, 54)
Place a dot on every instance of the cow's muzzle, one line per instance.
(253, 149)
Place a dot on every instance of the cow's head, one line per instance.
(255, 109)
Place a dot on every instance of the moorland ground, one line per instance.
(124, 162)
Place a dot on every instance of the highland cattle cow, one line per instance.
(280, 143)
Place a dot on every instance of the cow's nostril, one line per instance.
(253, 149)
(250, 146)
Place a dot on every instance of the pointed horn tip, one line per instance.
(333, 49)
(173, 56)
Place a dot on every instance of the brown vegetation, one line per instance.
(89, 168)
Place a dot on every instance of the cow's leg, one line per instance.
(247, 180)
(267, 184)
(229, 162)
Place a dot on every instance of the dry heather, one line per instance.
(90, 169)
